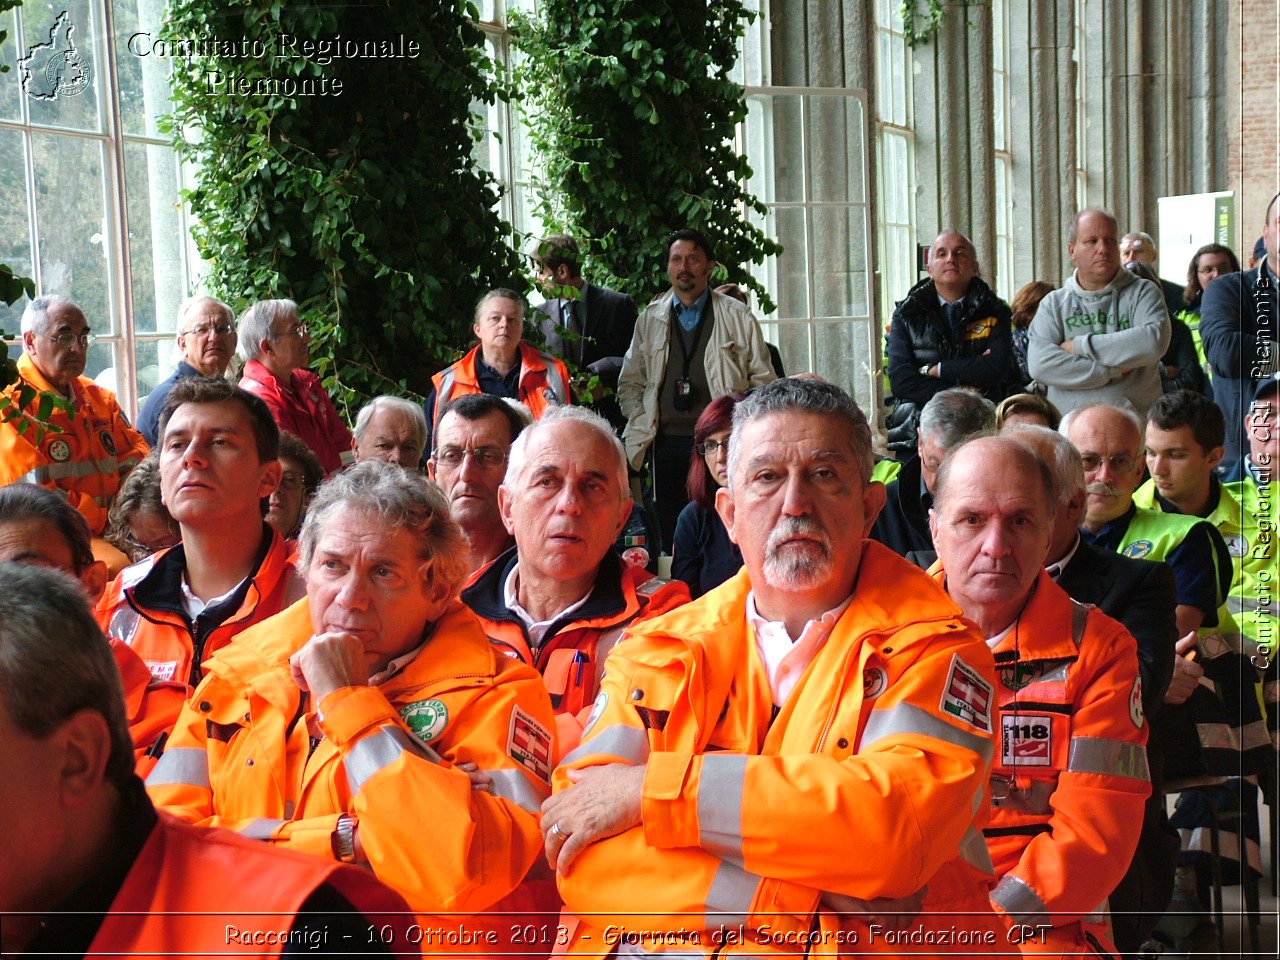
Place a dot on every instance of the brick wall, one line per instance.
(1253, 114)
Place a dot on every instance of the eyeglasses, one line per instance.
(290, 482)
(204, 329)
(66, 339)
(298, 330)
(709, 448)
(138, 550)
(481, 456)
(1120, 463)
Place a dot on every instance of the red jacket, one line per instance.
(87, 461)
(544, 381)
(304, 409)
(143, 608)
(205, 893)
(571, 658)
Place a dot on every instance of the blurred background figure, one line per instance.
(1210, 262)
(704, 556)
(1027, 408)
(1179, 367)
(139, 523)
(1025, 304)
(302, 476)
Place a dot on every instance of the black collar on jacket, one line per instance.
(485, 596)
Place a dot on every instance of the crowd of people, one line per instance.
(273, 685)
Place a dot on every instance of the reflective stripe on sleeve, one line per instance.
(181, 767)
(1250, 605)
(515, 786)
(1216, 736)
(629, 743)
(1254, 735)
(376, 751)
(1271, 691)
(262, 829)
(729, 899)
(1079, 619)
(908, 718)
(720, 805)
(1019, 901)
(1116, 758)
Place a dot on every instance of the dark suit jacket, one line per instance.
(903, 524)
(1138, 593)
(1229, 330)
(608, 321)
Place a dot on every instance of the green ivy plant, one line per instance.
(919, 28)
(632, 116)
(347, 184)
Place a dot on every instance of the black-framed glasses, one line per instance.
(481, 456)
(1119, 463)
(66, 338)
(710, 448)
(204, 329)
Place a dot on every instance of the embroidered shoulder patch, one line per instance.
(426, 718)
(1135, 703)
(162, 671)
(966, 696)
(529, 744)
(1138, 549)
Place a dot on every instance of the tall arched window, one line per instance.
(90, 187)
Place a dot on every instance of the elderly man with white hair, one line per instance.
(206, 339)
(92, 447)
(275, 345)
(561, 597)
(391, 429)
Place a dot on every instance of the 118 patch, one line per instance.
(1026, 740)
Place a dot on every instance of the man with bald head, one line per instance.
(950, 330)
(1100, 336)
(1070, 773)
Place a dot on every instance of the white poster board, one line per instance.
(1187, 223)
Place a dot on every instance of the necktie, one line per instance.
(954, 313)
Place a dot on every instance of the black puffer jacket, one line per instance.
(982, 356)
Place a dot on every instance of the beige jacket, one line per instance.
(736, 359)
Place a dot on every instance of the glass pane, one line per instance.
(100, 365)
(884, 81)
(775, 146)
(10, 82)
(71, 225)
(60, 67)
(835, 160)
(793, 344)
(15, 241)
(141, 74)
(901, 108)
(791, 279)
(997, 33)
(839, 262)
(844, 354)
(997, 104)
(154, 361)
(155, 236)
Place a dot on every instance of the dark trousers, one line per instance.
(670, 457)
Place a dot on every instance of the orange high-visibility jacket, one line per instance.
(191, 892)
(241, 757)
(571, 658)
(544, 382)
(866, 782)
(1071, 756)
(87, 461)
(151, 708)
(143, 608)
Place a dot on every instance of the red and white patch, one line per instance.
(1135, 703)
(966, 696)
(1026, 740)
(162, 671)
(59, 450)
(529, 744)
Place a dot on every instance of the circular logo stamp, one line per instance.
(1138, 549)
(1135, 703)
(108, 442)
(68, 73)
(426, 719)
(874, 681)
(1237, 545)
(59, 450)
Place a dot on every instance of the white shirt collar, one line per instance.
(785, 660)
(194, 606)
(1054, 570)
(535, 629)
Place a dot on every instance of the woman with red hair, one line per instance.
(703, 556)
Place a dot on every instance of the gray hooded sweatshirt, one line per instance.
(1123, 326)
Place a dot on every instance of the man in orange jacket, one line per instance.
(88, 866)
(1070, 778)
(562, 596)
(95, 448)
(349, 725)
(218, 449)
(784, 765)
